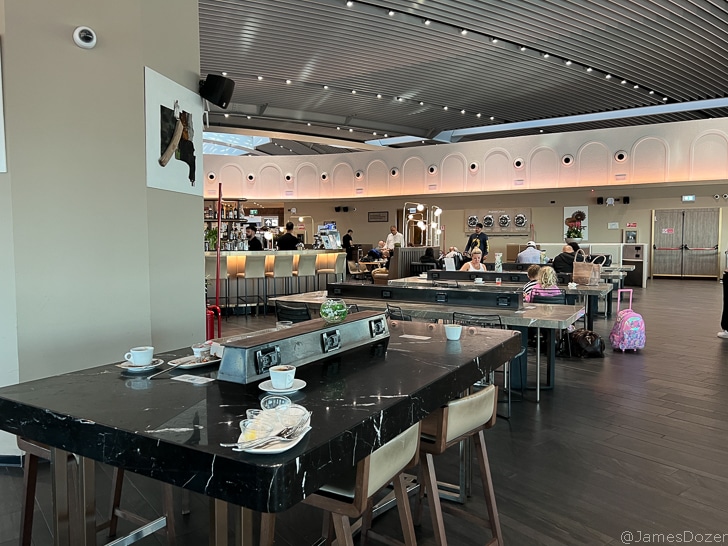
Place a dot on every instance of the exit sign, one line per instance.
(254, 212)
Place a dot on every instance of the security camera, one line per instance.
(84, 37)
(716, 197)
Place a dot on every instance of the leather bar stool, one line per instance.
(252, 268)
(282, 269)
(225, 275)
(336, 269)
(350, 495)
(461, 419)
(306, 267)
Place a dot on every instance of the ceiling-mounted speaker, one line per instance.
(600, 200)
(345, 209)
(337, 209)
(217, 90)
(625, 200)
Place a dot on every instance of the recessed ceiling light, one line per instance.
(545, 55)
(664, 99)
(224, 73)
(326, 86)
(399, 99)
(464, 32)
(391, 12)
(523, 48)
(309, 124)
(540, 130)
(462, 111)
(589, 69)
(374, 133)
(444, 107)
(385, 135)
(652, 92)
(492, 118)
(338, 128)
(427, 21)
(623, 82)
(494, 40)
(353, 91)
(567, 63)
(351, 130)
(289, 82)
(227, 115)
(379, 95)
(608, 76)
(422, 141)
(635, 86)
(422, 103)
(349, 3)
(260, 78)
(247, 117)
(478, 115)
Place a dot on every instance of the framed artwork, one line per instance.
(380, 216)
(630, 236)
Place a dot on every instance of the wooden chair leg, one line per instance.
(30, 479)
(342, 527)
(366, 523)
(186, 502)
(267, 529)
(405, 512)
(433, 498)
(117, 480)
(168, 504)
(488, 490)
(327, 528)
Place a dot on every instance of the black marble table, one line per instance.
(171, 430)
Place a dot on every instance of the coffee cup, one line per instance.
(453, 331)
(282, 376)
(140, 356)
(478, 280)
(201, 352)
(283, 324)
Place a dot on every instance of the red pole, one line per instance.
(217, 244)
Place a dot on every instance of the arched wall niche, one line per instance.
(342, 180)
(454, 170)
(497, 170)
(270, 176)
(413, 175)
(543, 168)
(709, 156)
(307, 181)
(233, 181)
(649, 160)
(377, 178)
(592, 164)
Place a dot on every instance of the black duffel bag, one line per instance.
(583, 343)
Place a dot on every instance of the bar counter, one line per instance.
(171, 430)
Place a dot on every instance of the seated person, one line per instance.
(428, 257)
(546, 285)
(532, 272)
(476, 255)
(375, 253)
(530, 255)
(564, 262)
(452, 252)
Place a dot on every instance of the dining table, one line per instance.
(170, 428)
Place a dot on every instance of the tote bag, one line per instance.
(587, 273)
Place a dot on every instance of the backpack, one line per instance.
(628, 331)
(583, 343)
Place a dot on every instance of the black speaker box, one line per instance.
(337, 209)
(625, 200)
(217, 89)
(600, 200)
(345, 209)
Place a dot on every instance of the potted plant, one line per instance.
(212, 238)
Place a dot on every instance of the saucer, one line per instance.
(267, 386)
(132, 368)
(190, 362)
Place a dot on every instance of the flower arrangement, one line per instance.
(574, 225)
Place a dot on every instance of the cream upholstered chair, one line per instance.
(306, 268)
(349, 495)
(460, 419)
(252, 268)
(339, 268)
(282, 269)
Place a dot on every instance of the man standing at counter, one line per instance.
(288, 240)
(253, 242)
(395, 238)
(477, 240)
(348, 244)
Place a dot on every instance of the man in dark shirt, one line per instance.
(288, 240)
(253, 242)
(348, 243)
(478, 240)
(564, 262)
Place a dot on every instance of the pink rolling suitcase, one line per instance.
(628, 331)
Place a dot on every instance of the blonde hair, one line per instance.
(547, 277)
(476, 251)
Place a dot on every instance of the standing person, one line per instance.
(533, 271)
(530, 255)
(348, 244)
(475, 263)
(394, 238)
(724, 319)
(564, 262)
(477, 240)
(253, 242)
(288, 240)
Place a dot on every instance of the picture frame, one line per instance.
(378, 216)
(630, 236)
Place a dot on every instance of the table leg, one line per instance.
(218, 522)
(592, 304)
(246, 527)
(538, 364)
(87, 500)
(59, 477)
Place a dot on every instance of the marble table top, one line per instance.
(600, 289)
(171, 430)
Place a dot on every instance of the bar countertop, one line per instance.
(171, 430)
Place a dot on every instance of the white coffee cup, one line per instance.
(201, 351)
(478, 280)
(453, 331)
(282, 376)
(140, 356)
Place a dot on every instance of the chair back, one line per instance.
(484, 321)
(340, 265)
(354, 268)
(469, 413)
(295, 312)
(554, 297)
(253, 267)
(352, 308)
(393, 457)
(306, 265)
(283, 266)
(396, 313)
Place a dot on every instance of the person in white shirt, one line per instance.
(474, 264)
(394, 238)
(531, 255)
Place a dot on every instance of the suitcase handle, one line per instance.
(619, 297)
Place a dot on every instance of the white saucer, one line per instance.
(190, 362)
(133, 368)
(267, 386)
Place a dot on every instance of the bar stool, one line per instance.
(252, 268)
(339, 268)
(350, 495)
(225, 275)
(461, 419)
(306, 268)
(282, 269)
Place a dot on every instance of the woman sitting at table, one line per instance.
(428, 257)
(474, 264)
(546, 284)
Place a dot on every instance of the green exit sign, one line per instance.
(253, 212)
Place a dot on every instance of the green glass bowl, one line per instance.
(333, 311)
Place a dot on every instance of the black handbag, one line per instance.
(583, 343)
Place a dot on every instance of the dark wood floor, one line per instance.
(631, 442)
